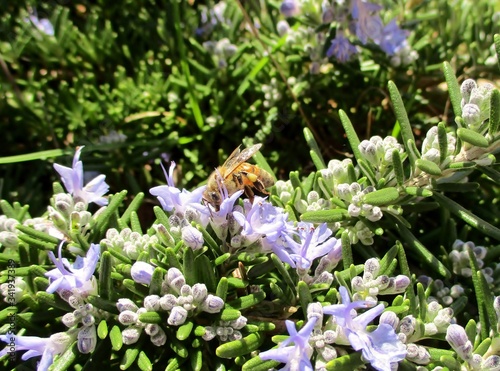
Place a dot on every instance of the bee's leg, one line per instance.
(259, 187)
(249, 193)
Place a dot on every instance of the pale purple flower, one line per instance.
(393, 38)
(314, 243)
(79, 275)
(381, 347)
(173, 199)
(72, 178)
(368, 25)
(290, 8)
(341, 48)
(42, 24)
(219, 219)
(142, 272)
(295, 357)
(36, 346)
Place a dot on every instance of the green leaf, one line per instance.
(188, 267)
(247, 301)
(67, 359)
(102, 329)
(240, 347)
(496, 39)
(315, 152)
(428, 167)
(104, 304)
(472, 137)
(283, 272)
(381, 197)
(468, 217)
(442, 141)
(102, 221)
(196, 358)
(494, 123)
(416, 191)
(39, 235)
(305, 297)
(348, 362)
(115, 335)
(42, 155)
(347, 257)
(104, 282)
(184, 330)
(367, 170)
(325, 216)
(397, 165)
(206, 272)
(150, 317)
(453, 89)
(416, 246)
(144, 362)
(131, 354)
(352, 137)
(133, 207)
(413, 153)
(490, 172)
(222, 288)
(401, 115)
(257, 364)
(230, 314)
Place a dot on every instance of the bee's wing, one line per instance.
(238, 157)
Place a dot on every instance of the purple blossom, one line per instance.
(290, 8)
(296, 357)
(42, 24)
(267, 223)
(36, 346)
(72, 178)
(173, 199)
(218, 219)
(381, 347)
(341, 48)
(393, 38)
(368, 25)
(142, 272)
(314, 242)
(78, 275)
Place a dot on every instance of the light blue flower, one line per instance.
(142, 272)
(42, 24)
(36, 346)
(290, 8)
(295, 357)
(393, 38)
(72, 178)
(341, 48)
(368, 24)
(314, 243)
(79, 275)
(173, 199)
(381, 347)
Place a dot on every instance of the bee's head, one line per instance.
(212, 197)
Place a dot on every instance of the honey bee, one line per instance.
(236, 174)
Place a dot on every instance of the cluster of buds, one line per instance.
(225, 330)
(353, 194)
(84, 314)
(69, 216)
(221, 51)
(129, 316)
(131, 243)
(379, 153)
(8, 232)
(372, 284)
(460, 259)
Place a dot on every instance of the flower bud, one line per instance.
(389, 318)
(152, 303)
(126, 304)
(9, 239)
(167, 302)
(212, 304)
(199, 292)
(127, 317)
(142, 272)
(131, 335)
(160, 338)
(87, 340)
(177, 316)
(192, 237)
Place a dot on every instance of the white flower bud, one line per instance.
(168, 301)
(9, 239)
(212, 304)
(131, 334)
(471, 115)
(177, 316)
(160, 338)
(209, 333)
(151, 329)
(175, 279)
(199, 292)
(152, 303)
(389, 318)
(466, 88)
(492, 363)
(127, 317)
(70, 320)
(192, 237)
(87, 340)
(457, 338)
(126, 304)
